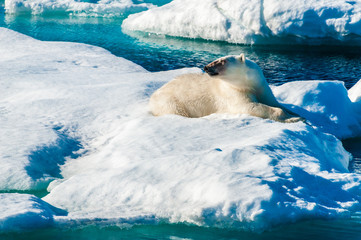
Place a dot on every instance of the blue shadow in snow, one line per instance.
(47, 159)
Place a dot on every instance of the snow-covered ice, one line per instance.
(44, 88)
(76, 116)
(255, 21)
(326, 104)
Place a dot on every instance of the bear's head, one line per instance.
(236, 70)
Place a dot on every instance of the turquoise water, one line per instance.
(316, 229)
(156, 53)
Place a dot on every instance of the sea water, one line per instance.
(280, 63)
(155, 53)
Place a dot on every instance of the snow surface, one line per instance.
(102, 8)
(255, 21)
(75, 116)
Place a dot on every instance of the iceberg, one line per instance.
(75, 121)
(254, 22)
(102, 8)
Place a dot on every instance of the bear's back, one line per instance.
(190, 95)
(191, 85)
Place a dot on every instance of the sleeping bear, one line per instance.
(231, 84)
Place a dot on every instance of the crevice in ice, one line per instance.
(265, 30)
(45, 161)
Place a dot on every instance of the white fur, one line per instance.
(238, 88)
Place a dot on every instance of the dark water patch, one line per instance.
(46, 160)
(353, 145)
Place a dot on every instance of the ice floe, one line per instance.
(76, 116)
(253, 22)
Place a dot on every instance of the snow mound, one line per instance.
(102, 8)
(253, 22)
(76, 116)
(24, 212)
(325, 104)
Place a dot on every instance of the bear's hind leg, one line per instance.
(162, 105)
(179, 109)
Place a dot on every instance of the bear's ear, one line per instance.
(242, 58)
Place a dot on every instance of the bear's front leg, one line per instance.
(273, 113)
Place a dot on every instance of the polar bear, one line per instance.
(231, 84)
